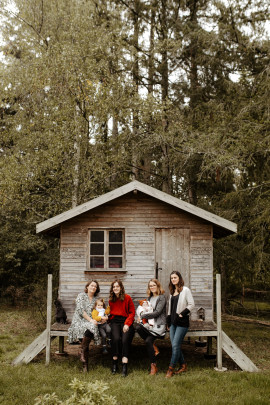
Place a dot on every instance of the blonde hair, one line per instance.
(159, 287)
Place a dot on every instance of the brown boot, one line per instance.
(170, 372)
(182, 369)
(155, 349)
(154, 369)
(85, 353)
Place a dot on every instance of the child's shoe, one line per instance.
(104, 350)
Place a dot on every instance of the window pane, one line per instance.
(97, 249)
(115, 236)
(115, 262)
(97, 262)
(115, 249)
(97, 236)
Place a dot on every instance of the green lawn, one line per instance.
(251, 308)
(200, 385)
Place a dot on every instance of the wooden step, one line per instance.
(237, 355)
(32, 350)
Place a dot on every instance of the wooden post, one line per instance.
(209, 345)
(219, 326)
(61, 345)
(49, 318)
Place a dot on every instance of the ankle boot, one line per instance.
(155, 349)
(85, 353)
(182, 369)
(124, 369)
(170, 372)
(154, 369)
(115, 366)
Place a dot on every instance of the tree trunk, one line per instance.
(166, 175)
(135, 76)
(77, 157)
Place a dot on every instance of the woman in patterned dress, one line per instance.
(83, 327)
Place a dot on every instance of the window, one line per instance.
(106, 249)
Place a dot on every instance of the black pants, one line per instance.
(121, 341)
(149, 340)
(105, 332)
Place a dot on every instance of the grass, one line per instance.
(250, 307)
(201, 385)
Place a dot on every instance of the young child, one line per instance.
(104, 328)
(145, 307)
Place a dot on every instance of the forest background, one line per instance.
(95, 93)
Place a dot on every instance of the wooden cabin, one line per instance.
(135, 233)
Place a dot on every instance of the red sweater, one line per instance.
(124, 308)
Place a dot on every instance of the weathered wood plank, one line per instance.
(237, 355)
(32, 350)
(49, 318)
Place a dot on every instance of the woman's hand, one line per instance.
(94, 321)
(125, 328)
(180, 316)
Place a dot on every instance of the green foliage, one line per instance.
(87, 393)
(95, 93)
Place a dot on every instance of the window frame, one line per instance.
(106, 255)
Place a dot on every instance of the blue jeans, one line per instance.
(177, 334)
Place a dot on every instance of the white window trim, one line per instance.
(106, 252)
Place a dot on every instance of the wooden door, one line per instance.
(172, 253)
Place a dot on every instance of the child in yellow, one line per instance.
(100, 314)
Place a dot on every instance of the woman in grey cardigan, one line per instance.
(180, 304)
(157, 300)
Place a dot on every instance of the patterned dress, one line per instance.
(79, 325)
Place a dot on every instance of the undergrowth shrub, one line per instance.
(86, 393)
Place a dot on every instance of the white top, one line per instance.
(101, 312)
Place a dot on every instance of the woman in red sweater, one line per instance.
(122, 313)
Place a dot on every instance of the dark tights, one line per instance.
(149, 340)
(121, 341)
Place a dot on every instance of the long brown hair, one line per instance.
(122, 294)
(89, 282)
(180, 284)
(159, 287)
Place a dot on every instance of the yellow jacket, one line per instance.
(95, 314)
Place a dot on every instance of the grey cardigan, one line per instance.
(159, 312)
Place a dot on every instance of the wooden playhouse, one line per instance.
(135, 233)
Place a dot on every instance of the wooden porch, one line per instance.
(198, 328)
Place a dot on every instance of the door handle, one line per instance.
(157, 269)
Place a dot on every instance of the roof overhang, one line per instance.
(222, 227)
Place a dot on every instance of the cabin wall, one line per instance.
(139, 215)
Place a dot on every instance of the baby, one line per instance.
(98, 313)
(143, 308)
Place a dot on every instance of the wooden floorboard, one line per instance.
(59, 329)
